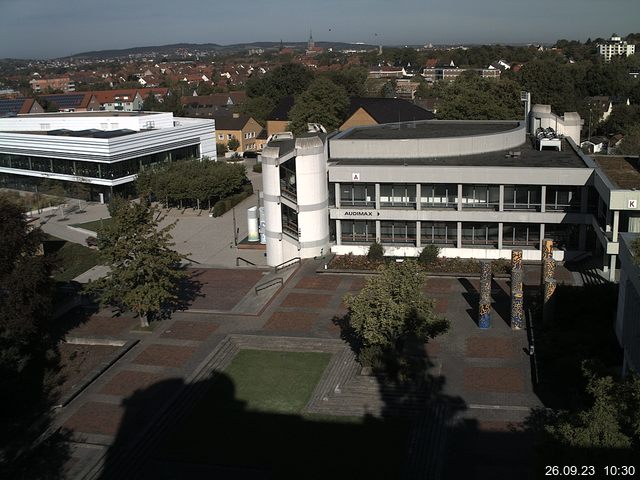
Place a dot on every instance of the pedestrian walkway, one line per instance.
(482, 377)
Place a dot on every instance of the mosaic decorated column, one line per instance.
(548, 305)
(484, 310)
(547, 253)
(517, 291)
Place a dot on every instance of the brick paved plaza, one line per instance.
(485, 373)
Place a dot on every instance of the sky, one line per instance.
(55, 28)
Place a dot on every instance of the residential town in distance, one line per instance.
(319, 259)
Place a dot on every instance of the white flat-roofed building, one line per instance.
(94, 154)
(475, 189)
(615, 46)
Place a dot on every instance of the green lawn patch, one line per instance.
(250, 418)
(71, 259)
(94, 225)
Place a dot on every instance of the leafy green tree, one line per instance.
(391, 308)
(323, 102)
(471, 97)
(630, 144)
(388, 90)
(621, 120)
(352, 79)
(151, 104)
(145, 273)
(221, 148)
(550, 82)
(258, 108)
(233, 144)
(428, 255)
(286, 80)
(376, 252)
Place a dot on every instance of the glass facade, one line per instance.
(358, 231)
(481, 234)
(398, 195)
(398, 232)
(563, 199)
(439, 195)
(358, 195)
(89, 169)
(521, 235)
(288, 180)
(481, 196)
(522, 197)
(290, 221)
(564, 235)
(439, 233)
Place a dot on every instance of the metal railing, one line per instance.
(270, 283)
(286, 264)
(238, 259)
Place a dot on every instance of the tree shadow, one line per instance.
(190, 289)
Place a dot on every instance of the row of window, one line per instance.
(446, 233)
(516, 197)
(95, 169)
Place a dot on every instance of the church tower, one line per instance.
(311, 44)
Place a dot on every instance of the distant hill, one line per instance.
(207, 47)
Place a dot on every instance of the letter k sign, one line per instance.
(632, 204)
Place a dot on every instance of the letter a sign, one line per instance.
(355, 177)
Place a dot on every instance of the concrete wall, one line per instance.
(628, 316)
(100, 121)
(568, 125)
(428, 147)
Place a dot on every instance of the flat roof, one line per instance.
(97, 113)
(529, 157)
(624, 172)
(88, 133)
(427, 129)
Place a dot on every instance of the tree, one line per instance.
(151, 104)
(145, 274)
(323, 102)
(352, 79)
(428, 255)
(550, 82)
(391, 309)
(630, 144)
(258, 108)
(233, 144)
(286, 80)
(388, 90)
(471, 97)
(376, 252)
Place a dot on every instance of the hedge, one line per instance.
(226, 204)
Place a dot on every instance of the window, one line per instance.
(229, 136)
(397, 195)
(482, 234)
(358, 231)
(521, 235)
(220, 137)
(439, 233)
(398, 232)
(357, 195)
(290, 222)
(481, 196)
(564, 236)
(440, 195)
(522, 197)
(564, 199)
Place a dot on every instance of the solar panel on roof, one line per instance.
(66, 100)
(11, 106)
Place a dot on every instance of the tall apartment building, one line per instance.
(615, 47)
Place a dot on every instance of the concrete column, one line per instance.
(543, 198)
(418, 195)
(582, 238)
(459, 245)
(338, 232)
(612, 268)
(608, 220)
(584, 199)
(616, 224)
(541, 236)
(337, 194)
(500, 224)
(378, 231)
(418, 235)
(501, 204)
(459, 198)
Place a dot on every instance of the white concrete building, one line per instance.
(628, 317)
(94, 154)
(475, 189)
(615, 47)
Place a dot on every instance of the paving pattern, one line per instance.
(480, 380)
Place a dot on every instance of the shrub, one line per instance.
(223, 206)
(257, 168)
(428, 255)
(376, 252)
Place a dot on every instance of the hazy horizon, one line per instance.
(35, 29)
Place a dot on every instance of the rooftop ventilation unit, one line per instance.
(548, 138)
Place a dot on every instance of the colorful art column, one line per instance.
(517, 291)
(548, 284)
(484, 310)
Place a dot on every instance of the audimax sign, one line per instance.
(361, 213)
